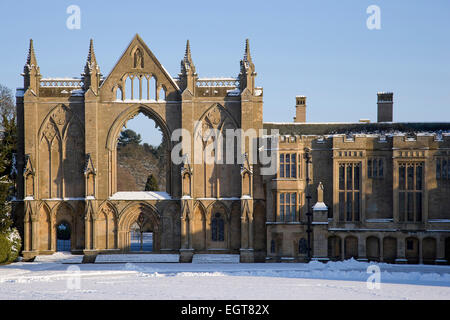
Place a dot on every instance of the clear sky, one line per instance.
(321, 49)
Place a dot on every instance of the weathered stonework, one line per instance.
(68, 131)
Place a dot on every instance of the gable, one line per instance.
(138, 63)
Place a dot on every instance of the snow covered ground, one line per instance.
(62, 276)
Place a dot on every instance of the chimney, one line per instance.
(385, 106)
(300, 109)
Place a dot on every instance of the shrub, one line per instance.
(10, 245)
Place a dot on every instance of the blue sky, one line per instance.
(321, 49)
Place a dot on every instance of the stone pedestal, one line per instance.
(320, 231)
(89, 256)
(186, 255)
(247, 256)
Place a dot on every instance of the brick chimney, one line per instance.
(300, 109)
(385, 106)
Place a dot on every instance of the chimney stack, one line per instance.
(385, 106)
(300, 109)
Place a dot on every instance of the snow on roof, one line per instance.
(319, 206)
(20, 92)
(141, 195)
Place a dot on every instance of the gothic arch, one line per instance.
(218, 226)
(63, 212)
(107, 226)
(72, 117)
(61, 153)
(113, 135)
(45, 228)
(216, 176)
(199, 226)
(130, 215)
(217, 205)
(221, 109)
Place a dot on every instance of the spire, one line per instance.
(247, 55)
(188, 76)
(247, 75)
(31, 73)
(91, 56)
(31, 59)
(91, 75)
(187, 63)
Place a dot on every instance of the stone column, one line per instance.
(53, 237)
(381, 246)
(34, 233)
(26, 235)
(401, 254)
(420, 250)
(186, 251)
(362, 252)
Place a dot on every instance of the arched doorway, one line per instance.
(139, 229)
(351, 247)
(389, 249)
(141, 235)
(373, 249)
(64, 228)
(429, 250)
(334, 248)
(218, 227)
(63, 237)
(412, 250)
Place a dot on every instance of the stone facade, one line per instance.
(370, 191)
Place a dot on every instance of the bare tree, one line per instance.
(7, 104)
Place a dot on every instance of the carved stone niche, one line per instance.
(29, 177)
(90, 174)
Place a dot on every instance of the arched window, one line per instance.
(152, 88)
(217, 228)
(136, 88)
(119, 94)
(128, 88)
(162, 94)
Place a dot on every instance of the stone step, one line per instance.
(215, 258)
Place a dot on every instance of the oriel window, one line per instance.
(288, 207)
(288, 165)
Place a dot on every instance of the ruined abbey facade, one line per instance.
(371, 191)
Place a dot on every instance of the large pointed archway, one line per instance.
(112, 141)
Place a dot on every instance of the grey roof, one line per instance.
(357, 127)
